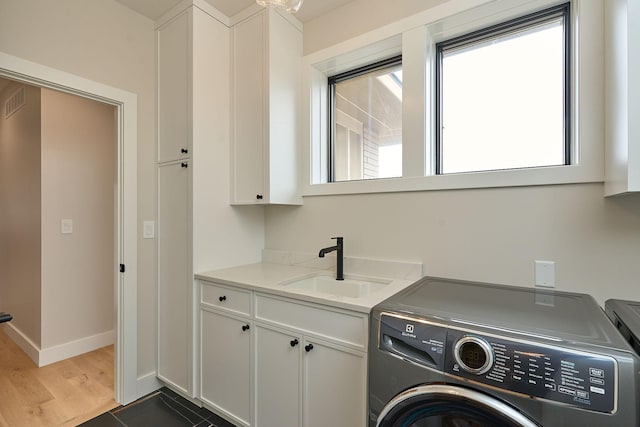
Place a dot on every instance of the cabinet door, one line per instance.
(173, 89)
(277, 379)
(174, 282)
(249, 110)
(334, 386)
(226, 365)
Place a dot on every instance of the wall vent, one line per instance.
(15, 102)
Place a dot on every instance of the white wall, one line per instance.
(486, 235)
(78, 183)
(106, 42)
(489, 235)
(358, 17)
(20, 213)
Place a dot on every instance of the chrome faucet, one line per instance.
(339, 247)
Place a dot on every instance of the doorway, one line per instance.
(125, 286)
(57, 227)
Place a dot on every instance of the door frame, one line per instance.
(126, 284)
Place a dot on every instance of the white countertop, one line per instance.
(272, 277)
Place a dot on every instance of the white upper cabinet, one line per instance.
(266, 73)
(173, 89)
(622, 68)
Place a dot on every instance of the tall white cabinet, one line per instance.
(266, 70)
(192, 162)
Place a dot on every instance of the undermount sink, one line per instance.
(350, 288)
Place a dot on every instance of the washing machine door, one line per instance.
(438, 405)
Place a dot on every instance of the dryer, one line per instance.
(464, 354)
(625, 315)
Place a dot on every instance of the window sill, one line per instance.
(491, 179)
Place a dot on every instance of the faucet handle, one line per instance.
(337, 238)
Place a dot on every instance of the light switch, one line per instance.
(66, 226)
(149, 229)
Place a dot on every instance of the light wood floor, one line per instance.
(65, 393)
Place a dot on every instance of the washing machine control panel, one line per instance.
(578, 378)
(522, 366)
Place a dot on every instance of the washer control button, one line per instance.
(473, 354)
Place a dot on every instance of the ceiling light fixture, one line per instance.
(291, 6)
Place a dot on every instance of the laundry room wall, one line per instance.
(20, 212)
(358, 17)
(78, 184)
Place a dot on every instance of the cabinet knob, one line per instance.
(293, 342)
(184, 151)
(259, 196)
(245, 328)
(184, 164)
(308, 347)
(222, 298)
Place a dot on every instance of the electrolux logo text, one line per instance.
(408, 331)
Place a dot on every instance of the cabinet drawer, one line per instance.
(235, 300)
(347, 328)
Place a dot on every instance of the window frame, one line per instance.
(415, 37)
(562, 11)
(331, 85)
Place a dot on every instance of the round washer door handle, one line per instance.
(308, 347)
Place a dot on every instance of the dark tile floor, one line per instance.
(161, 408)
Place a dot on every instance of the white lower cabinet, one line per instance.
(277, 378)
(302, 381)
(334, 392)
(311, 366)
(226, 365)
(309, 360)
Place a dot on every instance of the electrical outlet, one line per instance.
(546, 274)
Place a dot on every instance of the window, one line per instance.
(503, 96)
(366, 122)
(508, 93)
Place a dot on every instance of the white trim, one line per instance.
(47, 356)
(245, 14)
(22, 341)
(489, 179)
(254, 9)
(392, 30)
(75, 348)
(185, 5)
(126, 103)
(148, 384)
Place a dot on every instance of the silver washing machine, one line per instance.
(625, 315)
(463, 354)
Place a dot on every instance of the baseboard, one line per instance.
(147, 384)
(75, 348)
(22, 341)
